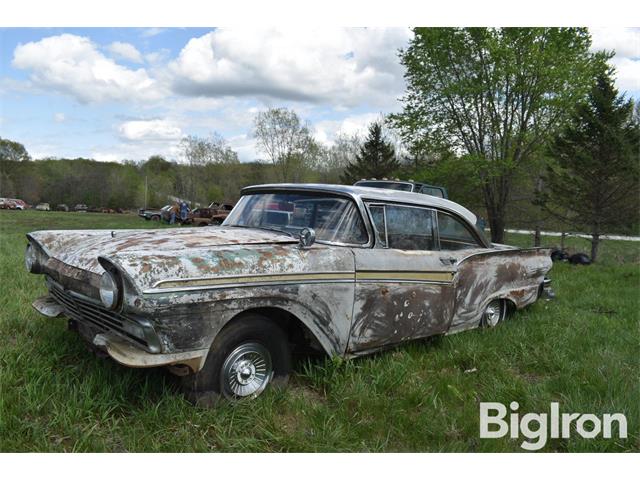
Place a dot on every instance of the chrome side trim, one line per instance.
(152, 291)
(265, 280)
(254, 278)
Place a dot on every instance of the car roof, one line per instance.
(370, 193)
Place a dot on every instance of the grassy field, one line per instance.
(581, 350)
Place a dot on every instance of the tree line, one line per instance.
(522, 125)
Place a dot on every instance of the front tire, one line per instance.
(246, 358)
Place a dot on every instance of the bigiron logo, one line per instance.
(538, 427)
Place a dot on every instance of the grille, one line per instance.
(87, 311)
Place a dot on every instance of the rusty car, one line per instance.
(214, 214)
(342, 270)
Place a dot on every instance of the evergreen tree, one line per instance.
(376, 159)
(592, 179)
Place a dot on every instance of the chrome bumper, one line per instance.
(122, 350)
(127, 354)
(48, 307)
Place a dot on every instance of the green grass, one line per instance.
(581, 350)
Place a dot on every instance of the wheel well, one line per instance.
(302, 339)
(511, 306)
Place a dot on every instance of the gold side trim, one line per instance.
(384, 276)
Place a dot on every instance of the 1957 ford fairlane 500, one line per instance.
(343, 269)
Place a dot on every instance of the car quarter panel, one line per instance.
(193, 296)
(485, 275)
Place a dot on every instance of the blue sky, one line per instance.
(128, 93)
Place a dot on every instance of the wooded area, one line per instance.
(483, 109)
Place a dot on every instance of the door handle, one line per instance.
(448, 260)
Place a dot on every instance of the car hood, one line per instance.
(81, 248)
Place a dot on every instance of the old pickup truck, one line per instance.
(342, 269)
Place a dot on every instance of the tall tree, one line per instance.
(286, 140)
(200, 153)
(592, 180)
(13, 151)
(376, 159)
(493, 95)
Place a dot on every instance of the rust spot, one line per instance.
(518, 293)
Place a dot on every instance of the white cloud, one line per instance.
(152, 32)
(59, 117)
(626, 44)
(624, 41)
(149, 130)
(627, 74)
(327, 130)
(157, 57)
(136, 151)
(334, 65)
(106, 156)
(72, 65)
(125, 51)
(245, 146)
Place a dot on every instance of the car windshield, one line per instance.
(334, 219)
(405, 187)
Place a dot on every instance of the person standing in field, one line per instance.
(173, 213)
(184, 211)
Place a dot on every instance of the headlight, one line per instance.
(108, 291)
(31, 260)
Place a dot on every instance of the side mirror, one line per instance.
(307, 237)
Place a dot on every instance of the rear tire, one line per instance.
(246, 357)
(494, 313)
(155, 218)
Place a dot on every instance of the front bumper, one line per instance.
(124, 351)
(546, 289)
(127, 354)
(48, 307)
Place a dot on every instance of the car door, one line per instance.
(404, 285)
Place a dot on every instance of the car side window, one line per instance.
(377, 217)
(434, 192)
(454, 235)
(403, 227)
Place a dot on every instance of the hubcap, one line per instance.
(493, 313)
(246, 371)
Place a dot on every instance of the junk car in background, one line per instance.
(13, 204)
(343, 270)
(151, 213)
(214, 214)
(405, 186)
